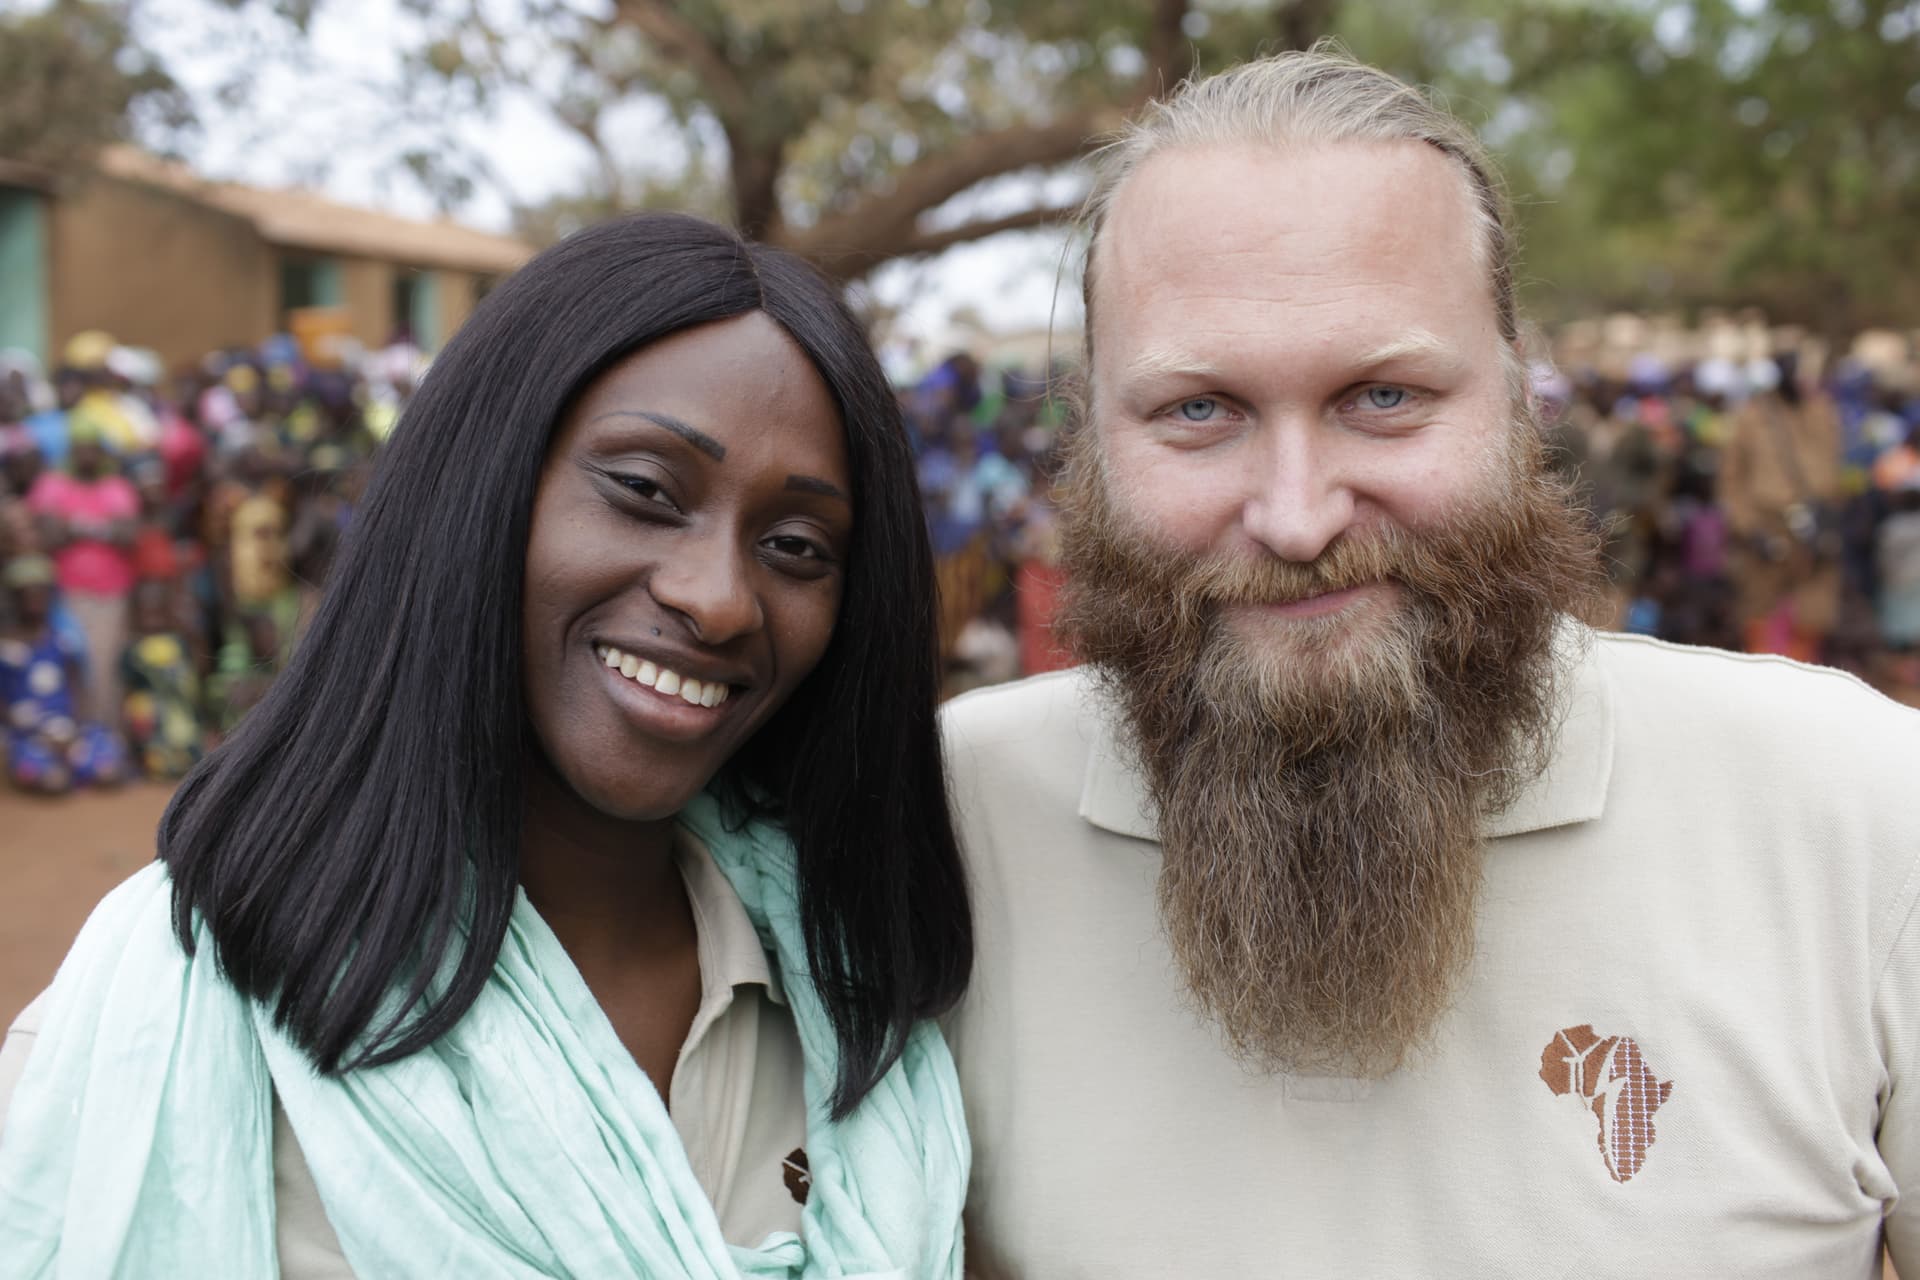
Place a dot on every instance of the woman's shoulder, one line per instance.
(15, 1048)
(307, 1246)
(140, 903)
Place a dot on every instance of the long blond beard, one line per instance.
(1322, 784)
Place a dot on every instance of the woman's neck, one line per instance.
(613, 896)
(609, 889)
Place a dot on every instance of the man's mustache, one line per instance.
(1218, 582)
(1355, 559)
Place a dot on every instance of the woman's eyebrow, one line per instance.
(813, 484)
(692, 435)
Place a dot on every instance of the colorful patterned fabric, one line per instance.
(48, 747)
(162, 713)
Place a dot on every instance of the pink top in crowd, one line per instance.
(88, 564)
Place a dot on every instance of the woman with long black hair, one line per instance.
(576, 901)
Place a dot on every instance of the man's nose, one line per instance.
(1298, 501)
(709, 581)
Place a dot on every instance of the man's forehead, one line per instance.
(1262, 189)
(1253, 222)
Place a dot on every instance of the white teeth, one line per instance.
(699, 693)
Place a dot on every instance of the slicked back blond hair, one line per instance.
(1300, 99)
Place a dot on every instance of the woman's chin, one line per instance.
(649, 802)
(601, 794)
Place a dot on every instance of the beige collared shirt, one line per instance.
(736, 1090)
(1686, 1048)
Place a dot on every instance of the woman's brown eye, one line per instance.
(643, 488)
(800, 547)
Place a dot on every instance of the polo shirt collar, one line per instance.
(1572, 788)
(731, 954)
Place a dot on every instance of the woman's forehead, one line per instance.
(736, 390)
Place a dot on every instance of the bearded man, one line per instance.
(1354, 911)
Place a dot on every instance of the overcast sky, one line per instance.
(331, 125)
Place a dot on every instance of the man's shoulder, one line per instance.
(1640, 665)
(1057, 702)
(1024, 743)
(1751, 703)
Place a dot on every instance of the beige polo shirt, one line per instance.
(736, 1091)
(1686, 1047)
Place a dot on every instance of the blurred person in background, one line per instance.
(52, 745)
(576, 901)
(108, 408)
(162, 709)
(20, 457)
(1622, 468)
(88, 515)
(259, 570)
(1780, 485)
(1896, 482)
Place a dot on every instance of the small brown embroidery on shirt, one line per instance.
(794, 1170)
(1610, 1077)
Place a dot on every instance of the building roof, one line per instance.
(17, 173)
(301, 220)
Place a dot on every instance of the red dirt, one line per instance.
(58, 857)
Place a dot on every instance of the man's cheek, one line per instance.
(1174, 499)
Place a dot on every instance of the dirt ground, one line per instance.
(57, 858)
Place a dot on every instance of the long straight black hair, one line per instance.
(359, 833)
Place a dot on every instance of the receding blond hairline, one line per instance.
(1305, 98)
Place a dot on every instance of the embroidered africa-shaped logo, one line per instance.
(1609, 1077)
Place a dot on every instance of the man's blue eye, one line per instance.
(1198, 409)
(1386, 397)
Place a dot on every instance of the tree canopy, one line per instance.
(73, 77)
(1765, 151)
(834, 127)
(1664, 152)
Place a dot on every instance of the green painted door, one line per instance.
(416, 306)
(23, 271)
(309, 282)
(425, 320)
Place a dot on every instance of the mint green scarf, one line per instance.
(525, 1142)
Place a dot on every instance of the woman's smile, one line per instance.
(665, 679)
(664, 701)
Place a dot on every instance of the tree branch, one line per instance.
(1169, 52)
(1304, 21)
(883, 225)
(888, 217)
(1040, 216)
(849, 262)
(679, 40)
